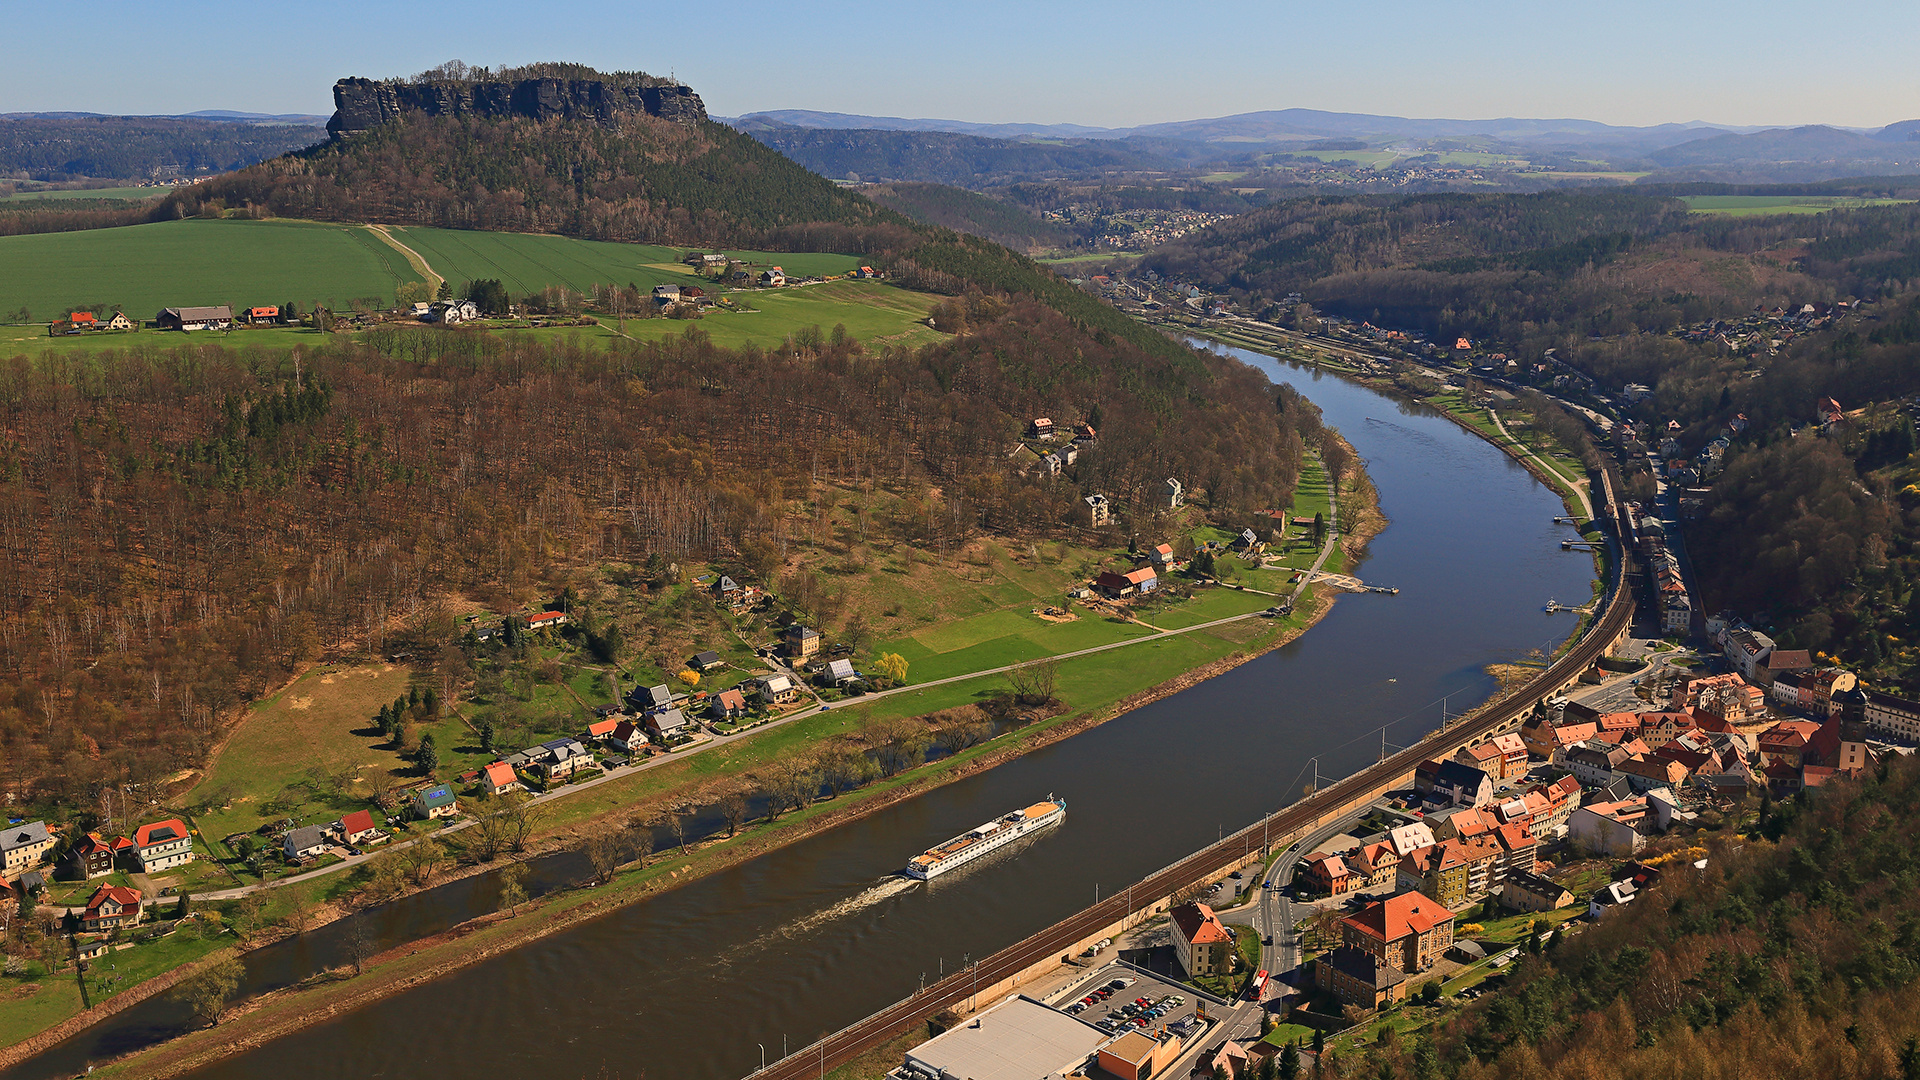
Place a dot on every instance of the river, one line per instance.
(804, 940)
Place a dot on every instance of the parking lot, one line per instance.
(1121, 996)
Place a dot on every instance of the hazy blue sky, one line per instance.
(1108, 64)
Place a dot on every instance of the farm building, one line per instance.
(263, 315)
(195, 318)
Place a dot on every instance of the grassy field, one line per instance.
(143, 268)
(1755, 205)
(528, 262)
(56, 997)
(870, 310)
(322, 723)
(134, 193)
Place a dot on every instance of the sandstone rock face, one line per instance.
(361, 104)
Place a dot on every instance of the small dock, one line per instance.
(1352, 584)
(1581, 545)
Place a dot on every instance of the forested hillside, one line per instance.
(964, 211)
(1793, 954)
(941, 157)
(1546, 270)
(133, 147)
(180, 529)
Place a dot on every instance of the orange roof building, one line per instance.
(1409, 931)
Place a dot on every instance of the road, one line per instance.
(716, 741)
(1057, 940)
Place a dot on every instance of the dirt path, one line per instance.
(1578, 487)
(413, 257)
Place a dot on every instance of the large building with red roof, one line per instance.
(1201, 940)
(1409, 931)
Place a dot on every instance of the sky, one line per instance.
(1116, 64)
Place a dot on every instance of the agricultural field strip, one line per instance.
(723, 740)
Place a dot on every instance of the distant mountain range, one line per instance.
(1278, 126)
(216, 115)
(1693, 150)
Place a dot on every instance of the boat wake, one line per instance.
(887, 889)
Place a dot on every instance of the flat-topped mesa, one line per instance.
(361, 104)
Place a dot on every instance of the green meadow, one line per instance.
(1757, 205)
(140, 269)
(528, 262)
(131, 193)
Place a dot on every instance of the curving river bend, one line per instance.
(809, 938)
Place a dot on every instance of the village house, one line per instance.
(1615, 896)
(1438, 870)
(1455, 784)
(840, 673)
(1593, 762)
(118, 322)
(358, 828)
(1746, 649)
(668, 724)
(728, 592)
(1786, 742)
(162, 845)
(1359, 978)
(1782, 662)
(1894, 716)
(800, 642)
(1528, 891)
(111, 907)
(1116, 585)
(563, 758)
(1201, 941)
(23, 847)
(628, 738)
(1329, 874)
(1410, 838)
(600, 729)
(1040, 428)
(263, 316)
(1374, 864)
(498, 778)
(433, 801)
(1099, 511)
(1409, 931)
(1161, 556)
(305, 842)
(772, 689)
(705, 661)
(1611, 828)
(1727, 696)
(194, 318)
(547, 620)
(774, 278)
(92, 857)
(728, 705)
(651, 698)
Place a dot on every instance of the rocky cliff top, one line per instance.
(361, 104)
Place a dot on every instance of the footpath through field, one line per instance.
(418, 261)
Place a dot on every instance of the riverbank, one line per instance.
(279, 1013)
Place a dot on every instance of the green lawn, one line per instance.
(870, 310)
(1756, 205)
(528, 262)
(322, 722)
(140, 269)
(135, 193)
(58, 997)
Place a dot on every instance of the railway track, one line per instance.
(814, 1061)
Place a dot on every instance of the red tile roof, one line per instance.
(144, 835)
(500, 774)
(1198, 924)
(356, 823)
(1397, 917)
(119, 894)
